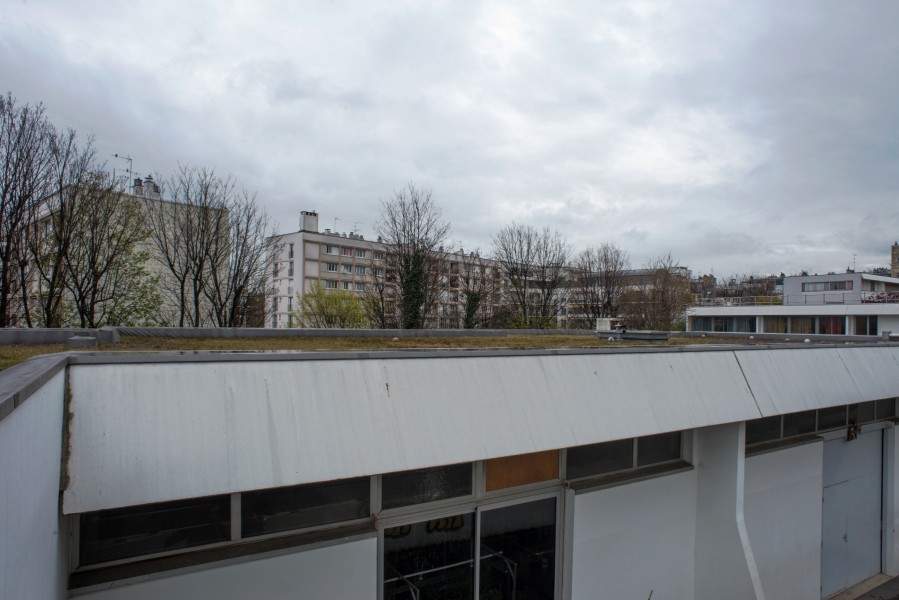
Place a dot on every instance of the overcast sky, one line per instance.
(743, 137)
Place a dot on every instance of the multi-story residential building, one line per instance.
(349, 262)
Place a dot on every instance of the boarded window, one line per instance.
(518, 470)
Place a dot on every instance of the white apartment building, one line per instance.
(339, 261)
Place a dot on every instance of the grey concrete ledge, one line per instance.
(105, 335)
(19, 381)
(259, 332)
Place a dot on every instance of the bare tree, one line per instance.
(413, 228)
(599, 278)
(379, 300)
(478, 283)
(73, 175)
(182, 230)
(105, 269)
(660, 296)
(240, 255)
(24, 176)
(535, 264)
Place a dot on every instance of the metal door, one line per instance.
(851, 528)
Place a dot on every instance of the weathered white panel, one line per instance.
(792, 380)
(782, 510)
(153, 432)
(32, 559)
(888, 323)
(311, 268)
(637, 539)
(341, 571)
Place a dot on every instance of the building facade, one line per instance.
(836, 304)
(739, 472)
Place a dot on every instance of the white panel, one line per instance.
(343, 571)
(782, 510)
(635, 540)
(311, 268)
(32, 561)
(792, 380)
(311, 249)
(154, 432)
(851, 543)
(888, 323)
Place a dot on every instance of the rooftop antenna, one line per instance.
(130, 171)
(356, 226)
(854, 255)
(335, 224)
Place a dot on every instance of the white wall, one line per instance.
(330, 573)
(32, 553)
(782, 509)
(634, 539)
(888, 323)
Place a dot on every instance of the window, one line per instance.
(304, 506)
(360, 270)
(621, 455)
(360, 253)
(866, 325)
(290, 252)
(360, 287)
(377, 272)
(275, 270)
(330, 249)
(119, 533)
(289, 303)
(769, 429)
(510, 551)
(832, 325)
(330, 285)
(346, 251)
(331, 267)
(347, 269)
(826, 286)
(378, 255)
(290, 269)
(775, 324)
(345, 285)
(802, 324)
(425, 485)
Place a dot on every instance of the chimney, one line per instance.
(309, 221)
(138, 187)
(152, 190)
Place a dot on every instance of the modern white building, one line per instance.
(682, 473)
(836, 304)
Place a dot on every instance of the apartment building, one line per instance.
(347, 261)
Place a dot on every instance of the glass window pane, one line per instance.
(658, 448)
(861, 413)
(886, 408)
(297, 507)
(135, 531)
(802, 324)
(425, 485)
(518, 552)
(830, 418)
(799, 423)
(596, 459)
(430, 560)
(762, 430)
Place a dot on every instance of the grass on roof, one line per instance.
(12, 354)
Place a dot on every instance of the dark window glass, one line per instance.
(596, 459)
(658, 448)
(886, 408)
(297, 507)
(830, 418)
(762, 430)
(135, 531)
(429, 560)
(425, 485)
(861, 413)
(518, 552)
(799, 423)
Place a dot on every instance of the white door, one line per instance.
(851, 528)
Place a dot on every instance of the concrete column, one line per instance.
(725, 566)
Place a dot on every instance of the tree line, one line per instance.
(76, 250)
(531, 279)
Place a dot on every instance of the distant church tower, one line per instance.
(894, 260)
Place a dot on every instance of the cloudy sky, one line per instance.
(741, 136)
